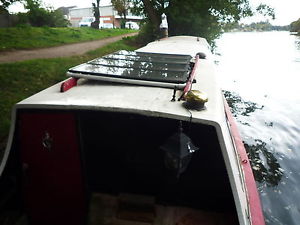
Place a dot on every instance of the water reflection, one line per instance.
(265, 166)
(249, 65)
(297, 43)
(239, 106)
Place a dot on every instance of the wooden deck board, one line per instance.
(104, 210)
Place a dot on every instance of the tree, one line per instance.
(200, 18)
(39, 16)
(266, 10)
(96, 11)
(295, 26)
(5, 3)
(122, 7)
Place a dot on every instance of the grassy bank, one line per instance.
(39, 37)
(22, 79)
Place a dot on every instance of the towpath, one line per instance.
(59, 51)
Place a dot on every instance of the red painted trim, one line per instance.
(256, 212)
(189, 83)
(75, 18)
(68, 84)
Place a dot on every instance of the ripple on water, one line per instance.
(262, 90)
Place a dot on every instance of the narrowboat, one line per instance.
(133, 137)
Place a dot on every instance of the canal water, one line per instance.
(259, 73)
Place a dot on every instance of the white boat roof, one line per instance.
(155, 101)
(184, 45)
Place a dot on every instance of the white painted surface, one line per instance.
(153, 100)
(184, 45)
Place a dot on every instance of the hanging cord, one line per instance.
(174, 94)
(190, 122)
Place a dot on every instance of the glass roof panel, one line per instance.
(138, 66)
(147, 65)
(152, 57)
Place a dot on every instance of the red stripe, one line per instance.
(68, 84)
(256, 216)
(188, 85)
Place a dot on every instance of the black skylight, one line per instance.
(137, 66)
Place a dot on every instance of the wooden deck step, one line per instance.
(128, 209)
(136, 208)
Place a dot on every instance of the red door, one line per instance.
(52, 181)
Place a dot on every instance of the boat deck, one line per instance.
(110, 210)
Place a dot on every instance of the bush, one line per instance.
(56, 19)
(22, 19)
(147, 33)
(38, 16)
(295, 26)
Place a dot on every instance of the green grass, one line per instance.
(28, 37)
(23, 79)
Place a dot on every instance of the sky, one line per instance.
(286, 11)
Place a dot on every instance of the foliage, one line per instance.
(57, 19)
(96, 11)
(190, 17)
(122, 7)
(27, 37)
(38, 16)
(145, 35)
(295, 26)
(259, 26)
(6, 3)
(266, 10)
(37, 75)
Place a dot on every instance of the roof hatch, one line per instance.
(137, 68)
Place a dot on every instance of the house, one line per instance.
(108, 16)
